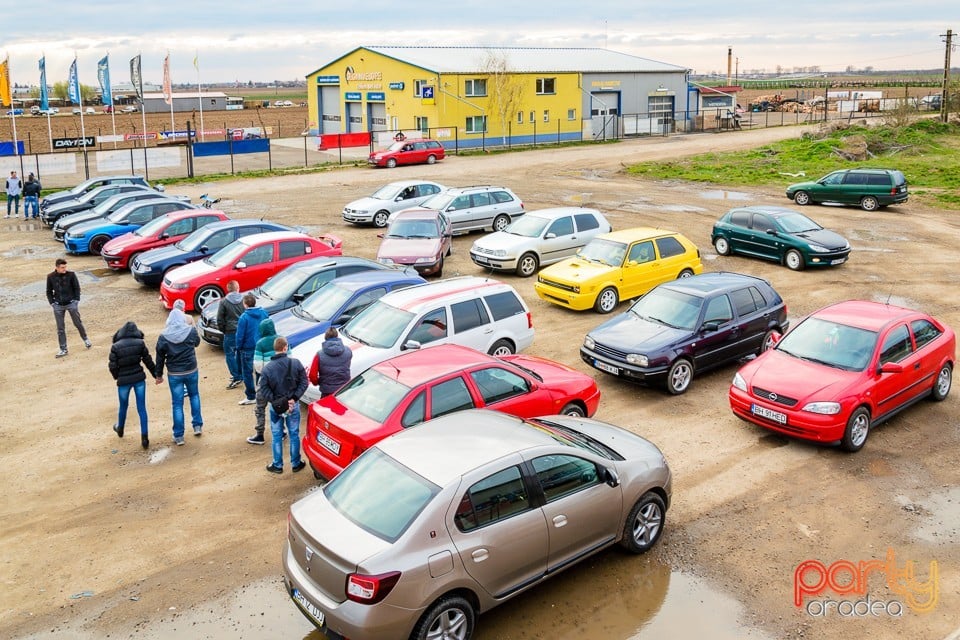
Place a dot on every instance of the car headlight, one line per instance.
(385, 261)
(576, 289)
(818, 249)
(425, 260)
(74, 235)
(178, 286)
(500, 253)
(739, 382)
(826, 408)
(637, 359)
(588, 342)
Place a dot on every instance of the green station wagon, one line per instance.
(870, 189)
(780, 234)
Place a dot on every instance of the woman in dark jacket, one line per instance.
(127, 356)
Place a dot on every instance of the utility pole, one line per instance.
(944, 112)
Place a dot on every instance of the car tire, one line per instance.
(96, 244)
(607, 301)
(133, 256)
(769, 340)
(501, 222)
(391, 163)
(431, 159)
(574, 410)
(858, 428)
(644, 523)
(527, 265)
(794, 260)
(679, 376)
(502, 347)
(801, 198)
(869, 203)
(449, 617)
(380, 219)
(941, 387)
(205, 296)
(722, 245)
(686, 273)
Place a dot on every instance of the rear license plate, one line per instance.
(309, 607)
(328, 443)
(603, 366)
(769, 414)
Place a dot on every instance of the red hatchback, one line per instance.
(408, 152)
(844, 369)
(408, 389)
(159, 232)
(249, 260)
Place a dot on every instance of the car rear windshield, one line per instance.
(504, 305)
(572, 438)
(373, 395)
(380, 495)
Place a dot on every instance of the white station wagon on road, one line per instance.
(376, 208)
(538, 238)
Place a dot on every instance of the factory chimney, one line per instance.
(729, 62)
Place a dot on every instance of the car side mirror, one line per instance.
(610, 476)
(710, 327)
(410, 345)
(890, 367)
(772, 232)
(298, 297)
(380, 235)
(163, 236)
(550, 236)
(204, 249)
(240, 265)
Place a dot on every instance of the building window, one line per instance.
(477, 124)
(571, 114)
(546, 85)
(546, 115)
(475, 87)
(422, 125)
(533, 117)
(418, 86)
(519, 117)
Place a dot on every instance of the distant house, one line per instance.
(185, 101)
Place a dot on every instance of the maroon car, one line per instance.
(420, 238)
(408, 152)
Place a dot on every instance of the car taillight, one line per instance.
(371, 589)
(893, 191)
(529, 320)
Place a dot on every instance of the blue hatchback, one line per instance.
(337, 302)
(90, 236)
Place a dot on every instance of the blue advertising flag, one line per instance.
(103, 75)
(73, 84)
(44, 98)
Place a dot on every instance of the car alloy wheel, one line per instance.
(501, 222)
(793, 260)
(644, 524)
(679, 376)
(205, 296)
(607, 300)
(391, 163)
(858, 428)
(380, 219)
(801, 198)
(941, 388)
(527, 265)
(722, 246)
(501, 348)
(869, 203)
(452, 617)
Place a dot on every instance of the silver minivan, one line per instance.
(477, 208)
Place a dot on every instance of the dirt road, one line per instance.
(101, 539)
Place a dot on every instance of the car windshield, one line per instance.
(89, 195)
(195, 240)
(572, 438)
(104, 207)
(380, 495)
(228, 255)
(153, 227)
(379, 325)
(386, 192)
(323, 304)
(603, 251)
(668, 307)
(396, 146)
(373, 395)
(438, 201)
(284, 284)
(797, 223)
(413, 229)
(830, 343)
(528, 226)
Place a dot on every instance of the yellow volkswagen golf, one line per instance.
(618, 266)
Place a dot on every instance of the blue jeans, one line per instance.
(31, 202)
(177, 384)
(245, 356)
(140, 391)
(292, 421)
(15, 201)
(230, 355)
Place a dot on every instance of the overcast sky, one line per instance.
(281, 40)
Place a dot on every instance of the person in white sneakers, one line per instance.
(14, 189)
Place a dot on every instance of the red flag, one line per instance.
(167, 91)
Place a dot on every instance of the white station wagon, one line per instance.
(376, 208)
(537, 239)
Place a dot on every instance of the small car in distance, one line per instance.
(408, 152)
(537, 239)
(376, 208)
(779, 234)
(688, 326)
(871, 189)
(172, 227)
(485, 493)
(419, 238)
(91, 236)
(843, 370)
(618, 266)
(87, 185)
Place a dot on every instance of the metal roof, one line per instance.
(523, 59)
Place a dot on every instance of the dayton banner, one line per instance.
(103, 75)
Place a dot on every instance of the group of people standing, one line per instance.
(31, 196)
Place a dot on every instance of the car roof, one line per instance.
(557, 212)
(270, 236)
(714, 281)
(136, 204)
(445, 448)
(479, 187)
(414, 298)
(636, 233)
(229, 224)
(771, 210)
(400, 184)
(373, 277)
(863, 314)
(314, 265)
(190, 213)
(420, 365)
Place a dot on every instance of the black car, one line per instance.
(87, 185)
(108, 207)
(687, 326)
(288, 288)
(148, 268)
(90, 200)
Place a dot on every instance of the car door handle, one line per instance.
(559, 521)
(479, 555)
(916, 365)
(488, 331)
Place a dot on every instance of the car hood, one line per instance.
(368, 203)
(811, 184)
(576, 270)
(824, 238)
(633, 334)
(509, 242)
(188, 272)
(408, 248)
(60, 196)
(293, 327)
(121, 243)
(68, 205)
(162, 253)
(793, 377)
(93, 225)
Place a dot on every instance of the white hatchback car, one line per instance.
(376, 208)
(481, 313)
(538, 238)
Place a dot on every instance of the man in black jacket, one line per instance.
(228, 313)
(63, 294)
(282, 382)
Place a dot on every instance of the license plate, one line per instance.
(769, 414)
(309, 607)
(603, 366)
(838, 261)
(480, 260)
(328, 443)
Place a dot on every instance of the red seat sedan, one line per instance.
(844, 369)
(249, 260)
(159, 232)
(408, 389)
(408, 152)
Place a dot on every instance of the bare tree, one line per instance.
(505, 89)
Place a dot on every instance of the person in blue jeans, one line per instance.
(282, 382)
(128, 356)
(31, 198)
(228, 314)
(248, 332)
(177, 350)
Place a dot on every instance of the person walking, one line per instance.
(14, 188)
(283, 383)
(228, 313)
(128, 355)
(177, 350)
(330, 368)
(247, 327)
(261, 356)
(31, 198)
(63, 294)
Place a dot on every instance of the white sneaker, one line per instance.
(247, 401)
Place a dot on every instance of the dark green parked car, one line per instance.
(870, 189)
(778, 233)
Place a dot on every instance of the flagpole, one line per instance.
(113, 105)
(196, 65)
(44, 101)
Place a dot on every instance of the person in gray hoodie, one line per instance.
(228, 313)
(248, 327)
(177, 350)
